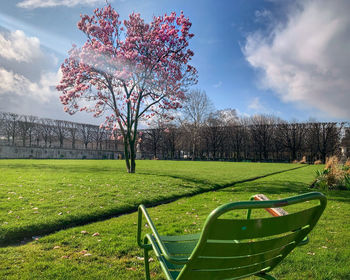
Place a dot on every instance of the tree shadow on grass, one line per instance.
(272, 187)
(285, 187)
(25, 233)
(213, 186)
(335, 195)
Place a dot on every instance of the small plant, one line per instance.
(334, 175)
(347, 181)
(347, 165)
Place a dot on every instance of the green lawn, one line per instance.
(42, 196)
(113, 253)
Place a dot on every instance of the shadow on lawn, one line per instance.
(218, 186)
(273, 187)
(340, 196)
(25, 233)
(285, 187)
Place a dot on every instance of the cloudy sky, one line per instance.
(287, 58)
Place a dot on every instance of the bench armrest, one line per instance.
(142, 210)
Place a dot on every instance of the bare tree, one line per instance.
(46, 130)
(237, 140)
(292, 136)
(60, 130)
(98, 135)
(10, 121)
(169, 140)
(85, 134)
(228, 116)
(262, 131)
(72, 130)
(26, 126)
(213, 133)
(329, 139)
(196, 110)
(152, 137)
(2, 124)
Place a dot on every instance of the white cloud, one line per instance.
(218, 84)
(256, 105)
(20, 57)
(17, 46)
(28, 77)
(263, 15)
(32, 4)
(19, 85)
(307, 60)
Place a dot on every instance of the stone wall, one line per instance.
(17, 152)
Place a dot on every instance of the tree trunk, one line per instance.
(126, 155)
(132, 157)
(193, 150)
(133, 165)
(294, 154)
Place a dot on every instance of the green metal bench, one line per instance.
(233, 248)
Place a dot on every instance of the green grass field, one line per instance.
(83, 187)
(42, 196)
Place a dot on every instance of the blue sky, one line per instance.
(253, 56)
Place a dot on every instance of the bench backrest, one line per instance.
(236, 248)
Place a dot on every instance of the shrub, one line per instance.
(303, 160)
(334, 175)
(331, 162)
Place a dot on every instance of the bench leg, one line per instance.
(148, 276)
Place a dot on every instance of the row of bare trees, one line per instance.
(258, 138)
(203, 133)
(199, 132)
(31, 131)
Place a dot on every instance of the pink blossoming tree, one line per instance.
(128, 72)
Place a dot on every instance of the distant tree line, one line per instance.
(198, 133)
(205, 134)
(257, 138)
(31, 131)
